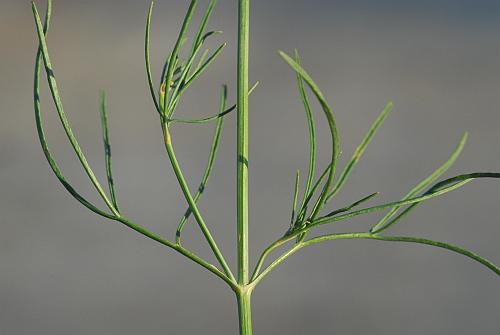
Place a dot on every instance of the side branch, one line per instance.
(210, 267)
(191, 202)
(370, 236)
(115, 215)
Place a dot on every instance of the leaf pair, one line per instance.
(43, 52)
(335, 153)
(386, 221)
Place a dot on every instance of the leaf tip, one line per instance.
(33, 8)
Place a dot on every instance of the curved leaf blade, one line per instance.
(426, 182)
(331, 123)
(360, 150)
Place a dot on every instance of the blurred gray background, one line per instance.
(64, 270)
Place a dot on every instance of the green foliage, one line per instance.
(176, 77)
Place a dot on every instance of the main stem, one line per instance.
(242, 143)
(243, 295)
(245, 311)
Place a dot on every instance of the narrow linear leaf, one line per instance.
(107, 149)
(295, 197)
(331, 123)
(454, 185)
(213, 117)
(360, 150)
(353, 205)
(190, 200)
(209, 167)
(202, 59)
(184, 73)
(62, 116)
(164, 74)
(176, 84)
(178, 66)
(426, 182)
(147, 58)
(41, 133)
(435, 188)
(175, 52)
(205, 120)
(203, 24)
(312, 132)
(313, 190)
(203, 67)
(300, 222)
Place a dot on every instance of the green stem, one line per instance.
(243, 295)
(180, 249)
(360, 235)
(192, 203)
(242, 142)
(243, 298)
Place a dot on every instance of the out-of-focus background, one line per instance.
(64, 270)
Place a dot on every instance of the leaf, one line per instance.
(455, 185)
(175, 52)
(331, 123)
(303, 210)
(437, 187)
(107, 149)
(360, 150)
(203, 66)
(181, 81)
(426, 182)
(199, 35)
(295, 197)
(39, 125)
(62, 116)
(213, 117)
(312, 132)
(353, 205)
(148, 62)
(209, 167)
